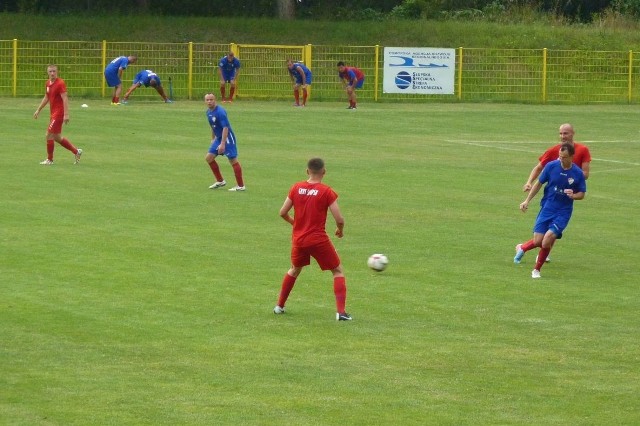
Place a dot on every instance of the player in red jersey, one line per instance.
(56, 97)
(311, 200)
(581, 158)
(352, 79)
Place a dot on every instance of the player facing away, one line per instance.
(301, 78)
(56, 97)
(311, 200)
(352, 79)
(229, 70)
(565, 182)
(223, 143)
(146, 78)
(113, 75)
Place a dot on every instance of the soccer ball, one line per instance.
(378, 262)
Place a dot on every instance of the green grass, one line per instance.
(606, 34)
(132, 294)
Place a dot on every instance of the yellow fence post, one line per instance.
(15, 68)
(104, 65)
(306, 53)
(544, 75)
(460, 73)
(630, 84)
(376, 74)
(190, 71)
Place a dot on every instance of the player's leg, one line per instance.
(223, 88)
(296, 93)
(305, 94)
(231, 152)
(299, 259)
(232, 84)
(328, 259)
(210, 158)
(162, 93)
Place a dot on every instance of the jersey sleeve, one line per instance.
(549, 155)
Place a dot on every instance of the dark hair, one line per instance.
(340, 64)
(315, 164)
(568, 148)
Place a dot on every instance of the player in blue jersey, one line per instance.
(352, 79)
(146, 78)
(223, 143)
(229, 70)
(113, 75)
(301, 78)
(565, 182)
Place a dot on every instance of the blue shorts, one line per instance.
(228, 76)
(230, 149)
(553, 221)
(112, 78)
(359, 84)
(299, 79)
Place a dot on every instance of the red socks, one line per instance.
(287, 285)
(65, 143)
(340, 291)
(223, 92)
(237, 170)
(233, 91)
(50, 147)
(304, 101)
(542, 257)
(216, 171)
(296, 95)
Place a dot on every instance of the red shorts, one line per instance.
(55, 125)
(324, 253)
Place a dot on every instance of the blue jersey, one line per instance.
(296, 75)
(145, 77)
(218, 120)
(557, 180)
(229, 68)
(117, 63)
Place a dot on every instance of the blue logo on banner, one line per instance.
(403, 80)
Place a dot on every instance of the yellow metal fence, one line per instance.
(482, 75)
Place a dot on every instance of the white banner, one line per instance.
(422, 70)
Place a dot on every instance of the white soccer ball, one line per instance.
(84, 106)
(378, 262)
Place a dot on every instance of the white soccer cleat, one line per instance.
(237, 188)
(278, 310)
(78, 155)
(535, 273)
(547, 260)
(46, 162)
(218, 185)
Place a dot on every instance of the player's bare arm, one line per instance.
(534, 190)
(65, 106)
(43, 103)
(337, 216)
(535, 172)
(586, 167)
(285, 209)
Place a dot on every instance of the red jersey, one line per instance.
(54, 90)
(582, 155)
(310, 203)
(349, 72)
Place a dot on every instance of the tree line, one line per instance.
(572, 10)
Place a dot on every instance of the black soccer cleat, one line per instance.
(343, 316)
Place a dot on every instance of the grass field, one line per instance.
(130, 293)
